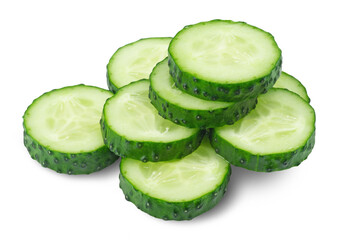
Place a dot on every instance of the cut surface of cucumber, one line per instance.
(178, 189)
(139, 131)
(187, 110)
(224, 60)
(62, 129)
(278, 134)
(225, 51)
(135, 61)
(291, 83)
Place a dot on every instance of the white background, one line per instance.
(51, 44)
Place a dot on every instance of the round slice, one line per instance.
(187, 110)
(135, 61)
(62, 130)
(177, 189)
(224, 60)
(291, 83)
(278, 134)
(131, 127)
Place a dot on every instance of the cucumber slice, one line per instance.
(139, 132)
(187, 110)
(135, 61)
(224, 60)
(62, 130)
(278, 134)
(177, 189)
(291, 83)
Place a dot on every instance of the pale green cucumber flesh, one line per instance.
(278, 134)
(292, 84)
(62, 130)
(139, 132)
(187, 110)
(178, 189)
(135, 61)
(224, 60)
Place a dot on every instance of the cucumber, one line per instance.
(139, 132)
(278, 134)
(187, 110)
(62, 130)
(177, 189)
(135, 61)
(224, 60)
(291, 83)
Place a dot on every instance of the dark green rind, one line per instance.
(300, 85)
(201, 118)
(69, 163)
(223, 92)
(173, 210)
(110, 82)
(261, 163)
(111, 86)
(148, 151)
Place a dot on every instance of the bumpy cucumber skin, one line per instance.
(261, 163)
(173, 210)
(69, 163)
(223, 92)
(148, 151)
(201, 118)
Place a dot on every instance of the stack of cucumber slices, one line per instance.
(179, 111)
